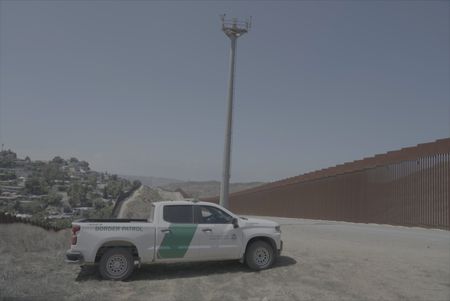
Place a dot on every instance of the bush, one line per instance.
(105, 212)
(33, 208)
(61, 223)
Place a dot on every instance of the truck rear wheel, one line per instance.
(259, 255)
(116, 264)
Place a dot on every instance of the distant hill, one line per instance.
(195, 189)
(151, 181)
(199, 189)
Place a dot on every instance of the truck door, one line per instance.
(180, 239)
(220, 240)
(175, 233)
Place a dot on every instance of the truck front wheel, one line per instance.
(116, 264)
(259, 255)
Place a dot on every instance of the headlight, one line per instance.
(278, 229)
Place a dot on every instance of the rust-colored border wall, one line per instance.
(406, 187)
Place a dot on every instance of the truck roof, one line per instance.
(184, 202)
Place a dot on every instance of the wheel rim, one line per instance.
(116, 265)
(262, 257)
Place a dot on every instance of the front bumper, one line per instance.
(281, 248)
(74, 257)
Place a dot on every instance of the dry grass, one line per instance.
(22, 238)
(30, 258)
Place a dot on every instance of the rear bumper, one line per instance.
(74, 257)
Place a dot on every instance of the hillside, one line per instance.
(199, 189)
(139, 203)
(58, 190)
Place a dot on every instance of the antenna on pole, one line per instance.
(233, 28)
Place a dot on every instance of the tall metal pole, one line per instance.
(224, 188)
(233, 29)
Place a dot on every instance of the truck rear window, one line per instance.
(181, 214)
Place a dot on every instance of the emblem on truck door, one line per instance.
(176, 241)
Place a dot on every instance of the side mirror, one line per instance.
(235, 222)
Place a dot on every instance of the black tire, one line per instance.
(116, 264)
(259, 255)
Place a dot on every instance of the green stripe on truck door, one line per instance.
(176, 243)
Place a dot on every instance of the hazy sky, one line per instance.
(139, 87)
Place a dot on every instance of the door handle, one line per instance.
(166, 231)
(207, 230)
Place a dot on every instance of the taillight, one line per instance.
(75, 230)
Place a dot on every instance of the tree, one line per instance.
(62, 188)
(77, 194)
(18, 207)
(7, 159)
(92, 180)
(99, 203)
(87, 202)
(35, 185)
(73, 160)
(58, 160)
(84, 165)
(67, 209)
(54, 199)
(136, 183)
(114, 188)
(52, 172)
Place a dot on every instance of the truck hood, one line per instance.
(256, 222)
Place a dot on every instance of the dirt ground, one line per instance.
(321, 261)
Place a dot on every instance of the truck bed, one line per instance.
(110, 220)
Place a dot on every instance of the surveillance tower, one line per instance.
(233, 29)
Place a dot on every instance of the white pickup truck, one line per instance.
(176, 231)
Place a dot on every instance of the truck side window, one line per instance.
(181, 214)
(211, 215)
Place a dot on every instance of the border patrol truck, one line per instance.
(176, 231)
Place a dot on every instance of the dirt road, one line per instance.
(321, 261)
